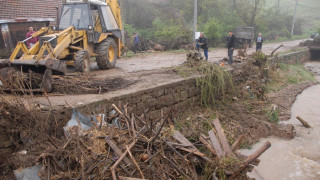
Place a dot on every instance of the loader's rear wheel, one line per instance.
(107, 54)
(82, 61)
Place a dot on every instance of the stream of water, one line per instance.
(299, 158)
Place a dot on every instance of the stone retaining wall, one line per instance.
(173, 97)
(178, 96)
(292, 57)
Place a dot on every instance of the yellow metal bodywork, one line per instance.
(68, 41)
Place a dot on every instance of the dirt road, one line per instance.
(164, 59)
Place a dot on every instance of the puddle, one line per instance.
(299, 158)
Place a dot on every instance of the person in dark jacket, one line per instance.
(136, 42)
(203, 44)
(230, 45)
(259, 42)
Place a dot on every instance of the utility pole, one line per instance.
(294, 17)
(195, 19)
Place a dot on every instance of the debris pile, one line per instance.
(194, 56)
(17, 81)
(122, 145)
(86, 84)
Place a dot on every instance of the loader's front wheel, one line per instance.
(82, 61)
(107, 54)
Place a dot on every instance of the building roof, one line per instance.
(16, 9)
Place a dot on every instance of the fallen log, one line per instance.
(216, 144)
(222, 137)
(237, 143)
(303, 122)
(256, 162)
(251, 158)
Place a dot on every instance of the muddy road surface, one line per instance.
(147, 71)
(158, 60)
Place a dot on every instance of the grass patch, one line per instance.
(273, 116)
(288, 74)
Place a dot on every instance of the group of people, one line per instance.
(202, 43)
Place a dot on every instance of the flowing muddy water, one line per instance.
(299, 158)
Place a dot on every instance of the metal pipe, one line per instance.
(55, 37)
(27, 39)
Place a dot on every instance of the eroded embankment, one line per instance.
(298, 158)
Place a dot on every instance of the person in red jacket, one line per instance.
(31, 42)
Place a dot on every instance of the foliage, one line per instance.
(214, 82)
(213, 31)
(171, 21)
(260, 59)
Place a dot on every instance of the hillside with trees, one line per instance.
(171, 21)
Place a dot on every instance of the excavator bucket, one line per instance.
(15, 80)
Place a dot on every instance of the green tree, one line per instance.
(213, 31)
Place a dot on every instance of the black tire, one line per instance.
(82, 61)
(105, 59)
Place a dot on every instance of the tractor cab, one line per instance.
(93, 16)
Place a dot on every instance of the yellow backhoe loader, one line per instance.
(85, 29)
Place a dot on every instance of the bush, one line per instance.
(213, 31)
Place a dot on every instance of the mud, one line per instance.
(286, 97)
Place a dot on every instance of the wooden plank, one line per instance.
(183, 140)
(118, 151)
(222, 137)
(207, 144)
(180, 138)
(216, 144)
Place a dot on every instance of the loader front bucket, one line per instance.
(30, 75)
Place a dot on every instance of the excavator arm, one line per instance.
(22, 46)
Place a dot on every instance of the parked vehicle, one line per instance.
(244, 35)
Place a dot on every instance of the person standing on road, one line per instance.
(230, 45)
(203, 44)
(259, 42)
(136, 42)
(31, 42)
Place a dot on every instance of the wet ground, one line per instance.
(148, 71)
(299, 158)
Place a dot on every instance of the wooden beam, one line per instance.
(216, 144)
(223, 140)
